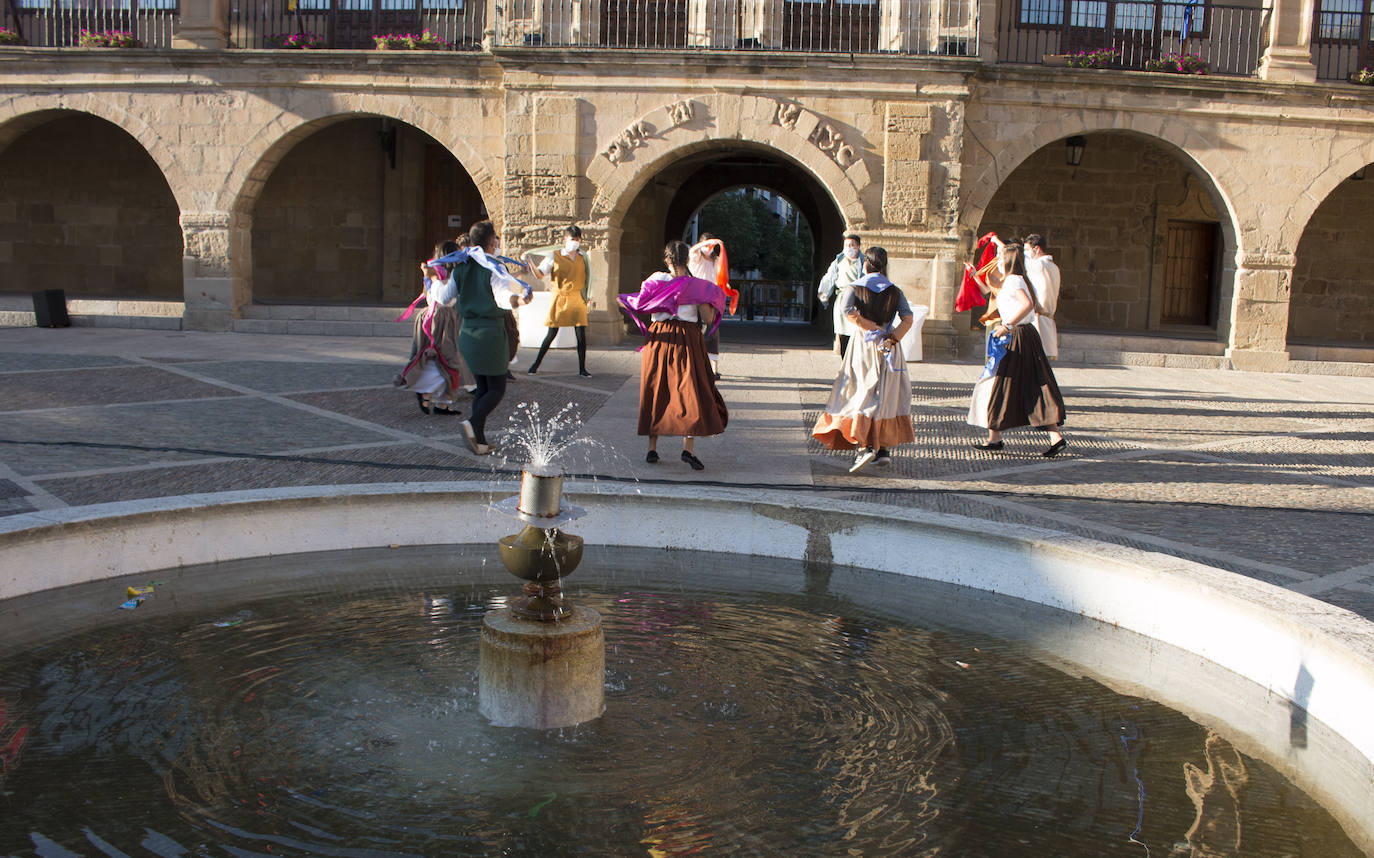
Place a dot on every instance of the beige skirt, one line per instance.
(870, 404)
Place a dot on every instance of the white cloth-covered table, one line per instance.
(911, 343)
(532, 330)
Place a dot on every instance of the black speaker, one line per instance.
(50, 309)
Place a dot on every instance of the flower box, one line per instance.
(1057, 60)
(9, 37)
(1364, 77)
(298, 41)
(1178, 64)
(107, 39)
(423, 41)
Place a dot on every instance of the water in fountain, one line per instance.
(334, 712)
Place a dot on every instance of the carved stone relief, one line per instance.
(639, 133)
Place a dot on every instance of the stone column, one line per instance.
(605, 322)
(1258, 339)
(1289, 53)
(202, 24)
(212, 296)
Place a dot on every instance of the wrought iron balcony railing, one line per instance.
(457, 24)
(1342, 42)
(1230, 39)
(58, 23)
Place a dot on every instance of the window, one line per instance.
(1173, 16)
(1340, 20)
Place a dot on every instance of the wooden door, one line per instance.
(830, 25)
(1190, 263)
(449, 193)
(644, 23)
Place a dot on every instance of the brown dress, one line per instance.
(677, 390)
(1024, 390)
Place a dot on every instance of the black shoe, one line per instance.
(584, 373)
(991, 445)
(446, 410)
(420, 398)
(693, 461)
(652, 458)
(531, 371)
(510, 377)
(1056, 449)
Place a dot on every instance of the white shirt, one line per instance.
(1044, 279)
(1015, 293)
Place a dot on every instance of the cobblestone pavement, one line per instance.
(1269, 476)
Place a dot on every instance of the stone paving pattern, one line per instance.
(1268, 476)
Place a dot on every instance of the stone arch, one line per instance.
(747, 120)
(1197, 150)
(292, 123)
(1299, 214)
(21, 114)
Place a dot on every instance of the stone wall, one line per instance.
(1333, 292)
(86, 210)
(1104, 223)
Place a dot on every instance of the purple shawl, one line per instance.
(666, 296)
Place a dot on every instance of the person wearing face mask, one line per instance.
(847, 267)
(1018, 387)
(570, 283)
(1044, 277)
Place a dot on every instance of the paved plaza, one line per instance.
(1269, 476)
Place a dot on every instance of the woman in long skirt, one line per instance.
(677, 389)
(434, 372)
(1018, 387)
(870, 404)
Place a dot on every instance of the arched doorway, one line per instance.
(1136, 230)
(84, 208)
(1332, 300)
(347, 215)
(667, 205)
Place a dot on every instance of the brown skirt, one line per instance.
(677, 390)
(1024, 392)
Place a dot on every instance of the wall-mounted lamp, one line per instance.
(1358, 175)
(1073, 149)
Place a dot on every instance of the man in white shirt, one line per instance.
(1043, 274)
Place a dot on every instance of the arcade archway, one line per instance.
(350, 211)
(1332, 301)
(1135, 228)
(666, 205)
(87, 210)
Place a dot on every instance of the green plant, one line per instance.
(1364, 76)
(9, 37)
(1100, 58)
(422, 41)
(306, 41)
(1178, 64)
(107, 39)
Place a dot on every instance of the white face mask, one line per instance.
(570, 246)
(851, 252)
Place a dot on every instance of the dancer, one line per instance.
(484, 290)
(870, 404)
(434, 372)
(1018, 387)
(847, 267)
(707, 260)
(677, 391)
(1043, 274)
(570, 279)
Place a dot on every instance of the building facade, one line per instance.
(218, 185)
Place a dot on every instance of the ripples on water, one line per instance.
(345, 723)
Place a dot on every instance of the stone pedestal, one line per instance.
(542, 675)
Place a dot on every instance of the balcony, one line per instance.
(1230, 37)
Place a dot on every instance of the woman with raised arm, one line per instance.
(1018, 387)
(677, 389)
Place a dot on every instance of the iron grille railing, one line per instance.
(1230, 38)
(58, 23)
(351, 24)
(948, 27)
(1342, 38)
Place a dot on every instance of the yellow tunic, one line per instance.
(567, 278)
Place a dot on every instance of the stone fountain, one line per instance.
(543, 660)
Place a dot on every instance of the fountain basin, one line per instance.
(1264, 661)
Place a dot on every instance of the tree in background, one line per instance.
(757, 238)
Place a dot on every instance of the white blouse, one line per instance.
(1015, 285)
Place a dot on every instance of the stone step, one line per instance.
(17, 311)
(321, 313)
(324, 328)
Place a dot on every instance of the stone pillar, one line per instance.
(212, 295)
(1289, 53)
(202, 24)
(605, 322)
(1258, 339)
(989, 14)
(713, 23)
